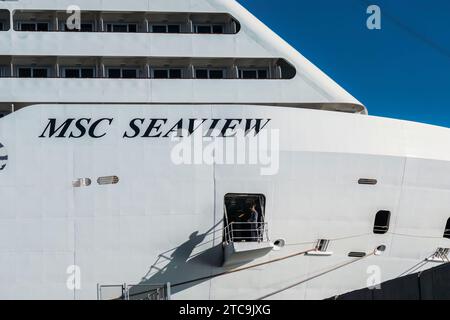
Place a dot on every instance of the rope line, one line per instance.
(314, 277)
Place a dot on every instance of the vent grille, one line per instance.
(82, 182)
(366, 181)
(108, 180)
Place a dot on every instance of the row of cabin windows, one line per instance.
(123, 27)
(134, 73)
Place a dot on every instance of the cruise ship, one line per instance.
(180, 149)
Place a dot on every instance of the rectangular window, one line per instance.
(72, 73)
(27, 27)
(25, 72)
(42, 27)
(217, 29)
(124, 73)
(216, 74)
(201, 74)
(253, 74)
(2, 26)
(129, 73)
(203, 29)
(209, 28)
(33, 72)
(166, 28)
(175, 74)
(78, 72)
(121, 27)
(40, 73)
(114, 73)
(167, 73)
(34, 26)
(173, 28)
(87, 73)
(209, 73)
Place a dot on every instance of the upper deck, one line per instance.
(35, 32)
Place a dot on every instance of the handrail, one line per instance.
(246, 232)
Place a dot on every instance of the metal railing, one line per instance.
(148, 292)
(246, 232)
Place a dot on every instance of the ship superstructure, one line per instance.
(96, 189)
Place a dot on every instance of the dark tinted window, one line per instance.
(87, 27)
(2, 26)
(87, 73)
(129, 73)
(113, 73)
(249, 74)
(42, 27)
(40, 73)
(72, 73)
(159, 28)
(203, 29)
(160, 74)
(132, 28)
(201, 74)
(173, 28)
(216, 74)
(27, 27)
(381, 225)
(217, 29)
(25, 72)
(262, 74)
(175, 73)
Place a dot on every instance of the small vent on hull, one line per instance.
(83, 182)
(108, 180)
(441, 255)
(357, 254)
(366, 181)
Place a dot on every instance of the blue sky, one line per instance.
(401, 71)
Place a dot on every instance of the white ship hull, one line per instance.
(163, 221)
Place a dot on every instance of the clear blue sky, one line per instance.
(401, 71)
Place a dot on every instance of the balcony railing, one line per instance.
(246, 232)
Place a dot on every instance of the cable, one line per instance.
(316, 276)
(244, 268)
(444, 51)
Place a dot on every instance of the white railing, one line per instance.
(246, 232)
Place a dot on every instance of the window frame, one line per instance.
(20, 23)
(152, 73)
(166, 26)
(127, 24)
(33, 68)
(80, 70)
(257, 70)
(211, 28)
(121, 68)
(208, 70)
